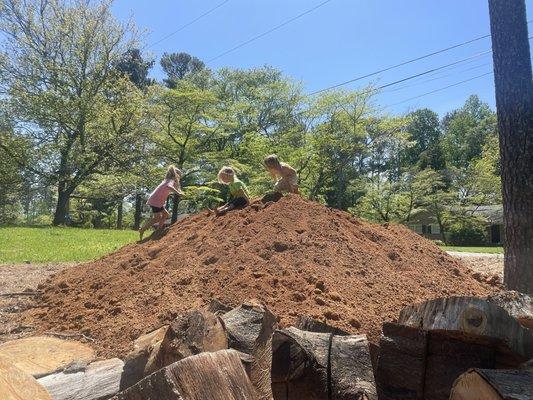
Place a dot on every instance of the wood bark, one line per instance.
(518, 305)
(514, 103)
(192, 333)
(63, 199)
(16, 384)
(43, 355)
(486, 384)
(250, 329)
(206, 376)
(321, 366)
(98, 380)
(309, 324)
(471, 317)
(120, 213)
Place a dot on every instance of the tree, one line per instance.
(425, 134)
(514, 102)
(178, 65)
(465, 131)
(135, 67)
(57, 71)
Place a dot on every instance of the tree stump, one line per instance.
(43, 355)
(98, 380)
(490, 384)
(206, 376)
(15, 384)
(321, 366)
(250, 329)
(192, 333)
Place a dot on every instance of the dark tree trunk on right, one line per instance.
(514, 102)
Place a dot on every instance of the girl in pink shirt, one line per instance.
(158, 199)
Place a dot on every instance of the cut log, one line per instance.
(43, 355)
(320, 366)
(98, 380)
(471, 316)
(16, 384)
(191, 333)
(441, 339)
(207, 376)
(486, 384)
(518, 305)
(218, 308)
(250, 329)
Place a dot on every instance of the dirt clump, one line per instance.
(294, 255)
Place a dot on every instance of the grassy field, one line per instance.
(489, 250)
(46, 244)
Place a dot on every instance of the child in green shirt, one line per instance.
(239, 197)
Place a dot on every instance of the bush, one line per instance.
(439, 242)
(467, 232)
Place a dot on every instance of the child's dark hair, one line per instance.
(272, 161)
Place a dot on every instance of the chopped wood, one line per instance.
(16, 384)
(70, 335)
(472, 316)
(42, 355)
(192, 333)
(486, 384)
(98, 380)
(206, 376)
(321, 366)
(518, 305)
(250, 328)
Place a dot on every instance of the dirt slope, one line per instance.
(296, 256)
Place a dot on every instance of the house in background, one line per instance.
(425, 223)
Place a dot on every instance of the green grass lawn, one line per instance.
(47, 244)
(464, 249)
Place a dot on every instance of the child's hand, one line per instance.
(180, 193)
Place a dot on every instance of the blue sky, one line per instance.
(339, 41)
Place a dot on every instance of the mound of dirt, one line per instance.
(296, 256)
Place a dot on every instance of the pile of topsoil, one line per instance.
(296, 256)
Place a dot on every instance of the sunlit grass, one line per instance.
(47, 244)
(474, 249)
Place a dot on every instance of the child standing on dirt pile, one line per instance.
(158, 199)
(239, 196)
(285, 175)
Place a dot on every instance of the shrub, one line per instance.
(468, 231)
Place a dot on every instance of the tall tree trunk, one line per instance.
(514, 102)
(120, 213)
(63, 198)
(138, 211)
(175, 204)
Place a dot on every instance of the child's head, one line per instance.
(173, 173)
(226, 175)
(272, 162)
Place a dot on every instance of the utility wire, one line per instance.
(403, 63)
(268, 31)
(188, 24)
(440, 89)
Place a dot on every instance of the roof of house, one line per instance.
(493, 214)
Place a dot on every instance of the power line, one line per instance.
(402, 64)
(269, 31)
(438, 90)
(188, 24)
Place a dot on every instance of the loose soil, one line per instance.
(294, 255)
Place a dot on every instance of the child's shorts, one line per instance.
(156, 210)
(238, 202)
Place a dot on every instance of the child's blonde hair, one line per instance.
(173, 173)
(272, 161)
(226, 172)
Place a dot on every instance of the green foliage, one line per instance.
(467, 231)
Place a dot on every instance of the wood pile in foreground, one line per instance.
(458, 348)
